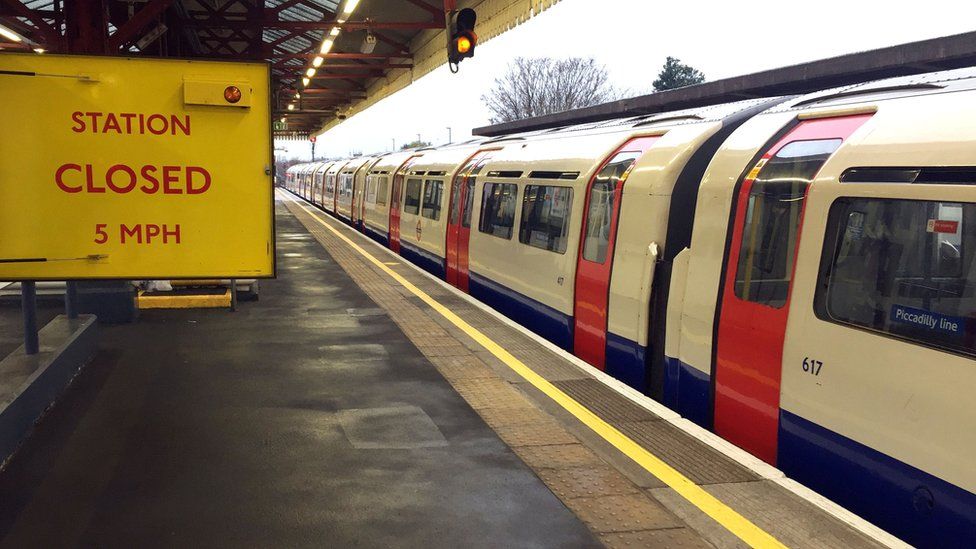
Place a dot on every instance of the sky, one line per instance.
(632, 38)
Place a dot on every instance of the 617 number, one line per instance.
(812, 366)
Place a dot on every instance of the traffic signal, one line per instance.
(461, 36)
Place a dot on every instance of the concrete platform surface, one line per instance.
(304, 419)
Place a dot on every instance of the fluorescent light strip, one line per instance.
(10, 35)
(350, 6)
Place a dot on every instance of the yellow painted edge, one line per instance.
(216, 301)
(742, 527)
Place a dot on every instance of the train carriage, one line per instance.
(345, 187)
(379, 193)
(422, 213)
(826, 316)
(318, 182)
(359, 191)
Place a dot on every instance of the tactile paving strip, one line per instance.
(462, 367)
(484, 393)
(604, 401)
(672, 538)
(557, 456)
(586, 482)
(698, 462)
(623, 513)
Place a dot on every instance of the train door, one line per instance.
(595, 259)
(459, 219)
(758, 281)
(395, 203)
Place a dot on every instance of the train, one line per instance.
(796, 274)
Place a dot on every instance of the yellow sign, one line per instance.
(134, 168)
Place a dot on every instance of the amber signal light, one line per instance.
(232, 94)
(463, 44)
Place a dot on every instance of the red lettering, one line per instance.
(91, 180)
(171, 232)
(190, 189)
(111, 123)
(148, 173)
(151, 231)
(133, 232)
(168, 178)
(59, 178)
(185, 126)
(94, 120)
(161, 119)
(110, 181)
(128, 116)
(79, 122)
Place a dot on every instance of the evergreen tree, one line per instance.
(676, 74)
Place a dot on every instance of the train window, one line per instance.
(545, 217)
(599, 214)
(906, 268)
(498, 209)
(469, 193)
(411, 199)
(371, 189)
(468, 201)
(454, 212)
(772, 221)
(432, 199)
(382, 189)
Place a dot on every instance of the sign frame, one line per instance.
(28, 268)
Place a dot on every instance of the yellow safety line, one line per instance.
(709, 504)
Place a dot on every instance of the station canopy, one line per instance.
(407, 37)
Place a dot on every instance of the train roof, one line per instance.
(880, 90)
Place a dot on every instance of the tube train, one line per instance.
(797, 274)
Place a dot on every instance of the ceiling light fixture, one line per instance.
(350, 7)
(10, 35)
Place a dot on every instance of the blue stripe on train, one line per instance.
(920, 508)
(688, 391)
(549, 323)
(382, 238)
(428, 261)
(625, 361)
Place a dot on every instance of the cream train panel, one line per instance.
(644, 214)
(421, 233)
(903, 399)
(318, 181)
(379, 186)
(547, 277)
(345, 186)
(705, 261)
(331, 182)
(360, 189)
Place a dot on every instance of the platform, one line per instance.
(362, 403)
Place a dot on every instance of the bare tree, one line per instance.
(544, 85)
